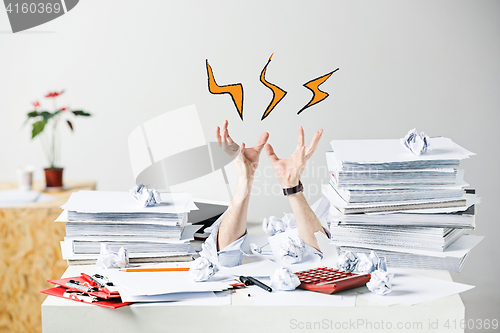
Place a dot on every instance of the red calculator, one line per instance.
(328, 280)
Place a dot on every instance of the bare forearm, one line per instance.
(307, 222)
(234, 223)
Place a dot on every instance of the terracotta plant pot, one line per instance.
(53, 177)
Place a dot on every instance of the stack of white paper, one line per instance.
(382, 195)
(150, 234)
(381, 175)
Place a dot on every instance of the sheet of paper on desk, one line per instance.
(297, 297)
(255, 269)
(9, 198)
(411, 289)
(157, 283)
(218, 298)
(123, 202)
(173, 297)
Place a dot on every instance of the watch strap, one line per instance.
(293, 190)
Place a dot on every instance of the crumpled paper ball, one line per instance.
(145, 196)
(273, 226)
(367, 264)
(347, 261)
(284, 279)
(418, 144)
(289, 221)
(380, 282)
(292, 251)
(382, 264)
(109, 259)
(202, 269)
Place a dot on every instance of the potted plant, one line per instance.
(50, 139)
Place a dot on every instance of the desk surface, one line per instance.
(60, 315)
(61, 196)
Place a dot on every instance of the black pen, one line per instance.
(248, 281)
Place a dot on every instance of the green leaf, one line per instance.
(46, 115)
(38, 128)
(81, 113)
(33, 114)
(69, 124)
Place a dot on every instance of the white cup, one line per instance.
(25, 178)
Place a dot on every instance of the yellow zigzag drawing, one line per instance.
(278, 93)
(318, 95)
(235, 90)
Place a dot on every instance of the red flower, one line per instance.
(63, 109)
(36, 104)
(54, 94)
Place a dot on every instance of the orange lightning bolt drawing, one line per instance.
(318, 95)
(235, 90)
(278, 93)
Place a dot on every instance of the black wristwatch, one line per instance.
(293, 190)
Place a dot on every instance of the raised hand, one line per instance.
(246, 159)
(290, 169)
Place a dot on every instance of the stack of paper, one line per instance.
(382, 195)
(150, 234)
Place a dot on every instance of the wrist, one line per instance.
(288, 183)
(245, 182)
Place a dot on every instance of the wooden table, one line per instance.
(29, 255)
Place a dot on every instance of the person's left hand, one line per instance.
(288, 170)
(247, 159)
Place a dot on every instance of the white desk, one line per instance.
(60, 315)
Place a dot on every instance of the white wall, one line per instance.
(433, 65)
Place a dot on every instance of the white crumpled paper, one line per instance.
(289, 221)
(273, 225)
(418, 144)
(367, 264)
(202, 269)
(284, 279)
(360, 263)
(109, 259)
(380, 282)
(292, 251)
(347, 261)
(146, 196)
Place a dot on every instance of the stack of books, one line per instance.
(408, 208)
(150, 234)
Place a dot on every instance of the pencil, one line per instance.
(171, 269)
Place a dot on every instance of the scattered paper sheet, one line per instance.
(158, 283)
(263, 268)
(297, 297)
(173, 297)
(9, 198)
(411, 289)
(220, 298)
